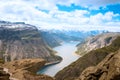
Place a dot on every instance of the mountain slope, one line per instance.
(96, 42)
(92, 58)
(50, 38)
(21, 41)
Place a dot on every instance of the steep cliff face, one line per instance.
(92, 58)
(21, 41)
(96, 42)
(107, 69)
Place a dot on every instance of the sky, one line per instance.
(64, 14)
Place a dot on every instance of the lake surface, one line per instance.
(67, 52)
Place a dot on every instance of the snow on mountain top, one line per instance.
(15, 25)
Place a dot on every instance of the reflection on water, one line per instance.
(67, 52)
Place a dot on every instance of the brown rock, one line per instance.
(26, 69)
(30, 76)
(32, 65)
(4, 75)
(108, 69)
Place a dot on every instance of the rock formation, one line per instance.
(4, 75)
(26, 69)
(107, 69)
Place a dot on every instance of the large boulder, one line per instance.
(4, 75)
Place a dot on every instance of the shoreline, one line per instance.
(52, 63)
(49, 64)
(25, 71)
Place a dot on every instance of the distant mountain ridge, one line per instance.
(56, 37)
(14, 25)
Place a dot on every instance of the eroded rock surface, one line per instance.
(108, 69)
(26, 69)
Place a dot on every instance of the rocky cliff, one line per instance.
(107, 69)
(96, 42)
(21, 41)
(25, 69)
(92, 58)
(4, 75)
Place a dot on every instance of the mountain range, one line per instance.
(55, 37)
(24, 49)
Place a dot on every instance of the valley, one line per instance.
(67, 52)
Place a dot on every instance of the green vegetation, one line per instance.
(90, 59)
(1, 61)
(10, 34)
(108, 49)
(29, 35)
(1, 53)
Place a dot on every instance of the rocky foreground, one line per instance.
(24, 70)
(3, 74)
(107, 69)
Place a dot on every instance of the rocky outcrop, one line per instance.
(92, 58)
(32, 65)
(4, 75)
(30, 76)
(107, 69)
(23, 41)
(26, 69)
(96, 42)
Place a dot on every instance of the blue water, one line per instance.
(67, 52)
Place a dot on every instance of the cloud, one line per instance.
(101, 19)
(32, 12)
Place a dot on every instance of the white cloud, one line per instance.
(101, 19)
(25, 10)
